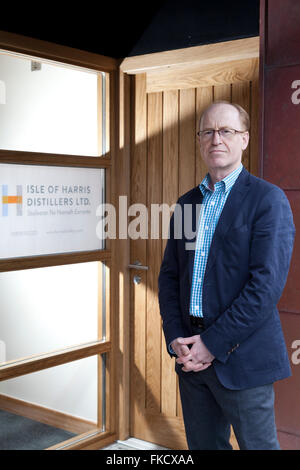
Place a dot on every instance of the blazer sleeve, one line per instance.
(169, 290)
(271, 246)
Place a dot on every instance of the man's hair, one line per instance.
(244, 116)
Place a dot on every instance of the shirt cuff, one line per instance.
(171, 351)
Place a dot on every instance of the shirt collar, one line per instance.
(225, 184)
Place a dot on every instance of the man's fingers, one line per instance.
(192, 367)
(202, 367)
(181, 349)
(189, 340)
(184, 350)
(183, 359)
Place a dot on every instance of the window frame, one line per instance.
(101, 435)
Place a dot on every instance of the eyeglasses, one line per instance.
(224, 133)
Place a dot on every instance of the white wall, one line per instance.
(55, 111)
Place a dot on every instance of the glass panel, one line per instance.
(52, 406)
(48, 209)
(47, 107)
(49, 308)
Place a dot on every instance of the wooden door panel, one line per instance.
(187, 141)
(154, 196)
(138, 176)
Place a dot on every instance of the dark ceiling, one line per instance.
(125, 29)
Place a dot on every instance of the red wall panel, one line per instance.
(280, 164)
(283, 32)
(287, 392)
(290, 300)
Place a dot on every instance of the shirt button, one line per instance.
(202, 253)
(212, 203)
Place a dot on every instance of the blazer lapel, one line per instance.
(195, 202)
(230, 210)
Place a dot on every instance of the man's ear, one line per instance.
(245, 138)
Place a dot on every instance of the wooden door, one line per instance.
(165, 163)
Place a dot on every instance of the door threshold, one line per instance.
(133, 444)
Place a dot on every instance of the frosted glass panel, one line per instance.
(53, 109)
(63, 397)
(48, 210)
(47, 309)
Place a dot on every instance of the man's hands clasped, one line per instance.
(196, 358)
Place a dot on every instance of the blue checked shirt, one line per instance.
(211, 209)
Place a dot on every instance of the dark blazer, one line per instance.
(245, 275)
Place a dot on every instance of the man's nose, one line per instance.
(216, 139)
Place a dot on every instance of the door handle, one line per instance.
(138, 265)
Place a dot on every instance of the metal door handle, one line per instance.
(138, 265)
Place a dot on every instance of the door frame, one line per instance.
(184, 68)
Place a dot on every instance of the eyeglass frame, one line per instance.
(218, 131)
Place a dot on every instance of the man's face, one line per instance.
(222, 153)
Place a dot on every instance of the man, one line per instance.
(218, 300)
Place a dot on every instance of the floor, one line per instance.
(133, 444)
(20, 433)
